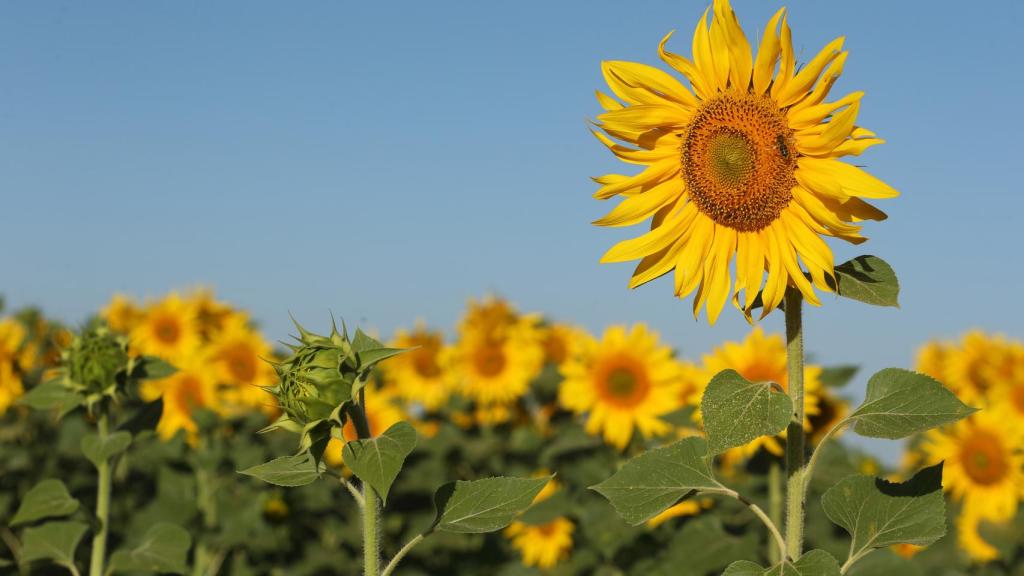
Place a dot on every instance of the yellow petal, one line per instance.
(645, 117)
(853, 180)
(740, 60)
(787, 62)
(607, 102)
(703, 57)
(613, 184)
(651, 80)
(802, 83)
(811, 115)
(634, 156)
(685, 67)
(649, 243)
(641, 206)
(768, 54)
(837, 130)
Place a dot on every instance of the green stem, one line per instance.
(795, 431)
(809, 470)
(371, 503)
(771, 526)
(390, 568)
(99, 540)
(775, 504)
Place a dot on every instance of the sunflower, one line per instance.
(624, 381)
(212, 315)
(977, 364)
(542, 545)
(421, 375)
(558, 342)
(169, 329)
(192, 387)
(490, 317)
(12, 336)
(745, 165)
(495, 369)
(239, 355)
(122, 314)
(983, 468)
(762, 358)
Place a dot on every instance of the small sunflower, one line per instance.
(239, 355)
(542, 545)
(558, 342)
(213, 316)
(122, 314)
(169, 329)
(762, 358)
(978, 363)
(624, 381)
(421, 375)
(192, 387)
(12, 336)
(744, 164)
(495, 369)
(984, 468)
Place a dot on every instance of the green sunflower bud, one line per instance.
(96, 364)
(317, 378)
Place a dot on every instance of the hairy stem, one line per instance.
(795, 431)
(809, 470)
(99, 540)
(371, 503)
(390, 568)
(775, 504)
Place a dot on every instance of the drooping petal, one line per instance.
(685, 67)
(650, 80)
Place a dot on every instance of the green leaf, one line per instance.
(478, 506)
(52, 541)
(838, 376)
(377, 461)
(370, 351)
(163, 550)
(736, 411)
(47, 499)
(287, 471)
(152, 368)
(878, 513)
(868, 279)
(657, 479)
(51, 395)
(813, 563)
(900, 403)
(99, 450)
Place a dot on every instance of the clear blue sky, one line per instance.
(389, 160)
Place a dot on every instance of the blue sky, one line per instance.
(387, 161)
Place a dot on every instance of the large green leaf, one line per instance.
(287, 471)
(47, 499)
(377, 461)
(51, 395)
(486, 505)
(99, 450)
(163, 550)
(868, 279)
(813, 563)
(655, 480)
(55, 541)
(736, 411)
(900, 403)
(878, 513)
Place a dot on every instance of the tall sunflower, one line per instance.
(625, 381)
(761, 357)
(744, 164)
(122, 313)
(192, 387)
(984, 468)
(422, 374)
(239, 356)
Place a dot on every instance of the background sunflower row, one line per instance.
(512, 393)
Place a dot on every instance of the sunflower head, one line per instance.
(317, 378)
(742, 167)
(97, 364)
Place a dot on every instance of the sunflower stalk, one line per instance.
(99, 540)
(371, 502)
(795, 432)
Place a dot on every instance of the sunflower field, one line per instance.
(172, 435)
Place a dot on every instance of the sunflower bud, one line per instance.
(317, 378)
(96, 364)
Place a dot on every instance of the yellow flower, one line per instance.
(977, 364)
(239, 355)
(192, 387)
(489, 317)
(558, 342)
(421, 374)
(10, 387)
(624, 381)
(212, 315)
(689, 507)
(542, 545)
(745, 165)
(169, 329)
(122, 314)
(762, 358)
(932, 359)
(494, 370)
(983, 465)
